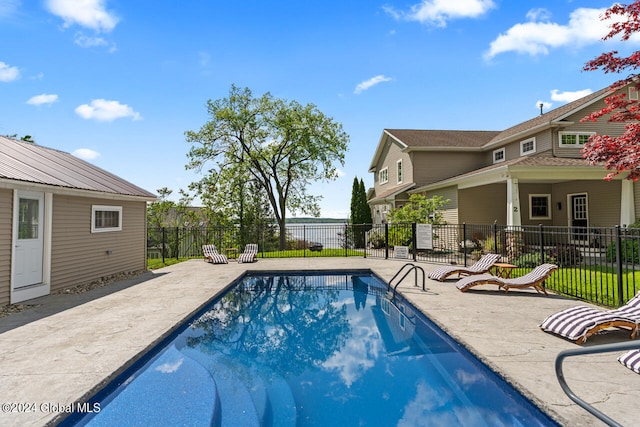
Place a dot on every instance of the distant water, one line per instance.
(328, 234)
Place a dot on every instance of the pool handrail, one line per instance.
(412, 267)
(602, 348)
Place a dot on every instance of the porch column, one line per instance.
(627, 204)
(513, 203)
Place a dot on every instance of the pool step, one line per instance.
(271, 395)
(171, 388)
(237, 405)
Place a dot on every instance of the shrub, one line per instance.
(532, 260)
(565, 255)
(628, 251)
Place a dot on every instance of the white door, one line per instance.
(29, 242)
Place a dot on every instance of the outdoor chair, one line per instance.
(631, 360)
(533, 279)
(211, 255)
(249, 254)
(483, 265)
(580, 322)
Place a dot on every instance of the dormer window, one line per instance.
(383, 176)
(574, 139)
(498, 155)
(528, 146)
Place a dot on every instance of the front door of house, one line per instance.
(579, 218)
(29, 241)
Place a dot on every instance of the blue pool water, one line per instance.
(310, 350)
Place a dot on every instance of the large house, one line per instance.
(64, 222)
(529, 174)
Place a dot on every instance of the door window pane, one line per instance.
(28, 217)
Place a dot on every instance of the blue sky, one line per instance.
(118, 82)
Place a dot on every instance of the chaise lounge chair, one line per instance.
(631, 359)
(533, 279)
(249, 254)
(483, 265)
(580, 322)
(211, 255)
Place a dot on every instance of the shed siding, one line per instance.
(79, 256)
(6, 225)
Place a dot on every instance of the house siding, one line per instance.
(525, 190)
(6, 225)
(482, 205)
(449, 209)
(435, 166)
(79, 256)
(603, 199)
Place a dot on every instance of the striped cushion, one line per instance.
(536, 275)
(631, 359)
(483, 265)
(469, 281)
(211, 255)
(249, 254)
(574, 323)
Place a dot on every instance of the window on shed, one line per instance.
(106, 218)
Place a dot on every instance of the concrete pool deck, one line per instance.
(67, 346)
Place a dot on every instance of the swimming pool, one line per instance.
(289, 349)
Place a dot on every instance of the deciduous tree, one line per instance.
(618, 153)
(281, 145)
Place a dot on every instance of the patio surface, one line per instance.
(62, 350)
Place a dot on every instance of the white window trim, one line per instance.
(384, 172)
(577, 145)
(496, 152)
(548, 197)
(522, 144)
(101, 208)
(399, 171)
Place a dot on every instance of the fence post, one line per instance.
(619, 264)
(365, 238)
(414, 242)
(495, 237)
(386, 240)
(540, 227)
(464, 242)
(304, 240)
(164, 242)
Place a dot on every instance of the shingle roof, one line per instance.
(443, 138)
(28, 162)
(548, 117)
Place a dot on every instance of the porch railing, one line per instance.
(597, 264)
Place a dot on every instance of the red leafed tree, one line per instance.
(620, 153)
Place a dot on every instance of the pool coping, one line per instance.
(136, 314)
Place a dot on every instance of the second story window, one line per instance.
(574, 139)
(498, 155)
(399, 171)
(528, 146)
(383, 176)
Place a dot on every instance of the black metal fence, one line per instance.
(598, 264)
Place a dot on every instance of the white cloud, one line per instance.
(42, 99)
(86, 154)
(8, 73)
(104, 110)
(438, 12)
(367, 84)
(546, 105)
(86, 13)
(537, 37)
(86, 41)
(567, 96)
(8, 7)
